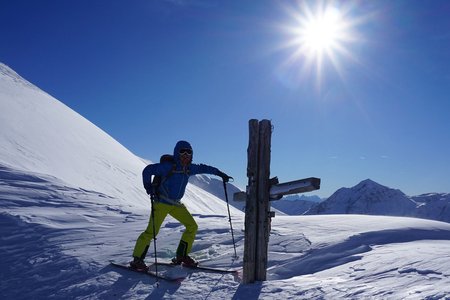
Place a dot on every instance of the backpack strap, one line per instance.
(173, 170)
(162, 179)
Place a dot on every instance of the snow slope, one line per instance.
(40, 134)
(215, 187)
(71, 200)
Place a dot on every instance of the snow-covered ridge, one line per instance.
(8, 73)
(371, 198)
(42, 135)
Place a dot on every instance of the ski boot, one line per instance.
(138, 264)
(186, 261)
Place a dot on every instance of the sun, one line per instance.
(322, 33)
(318, 37)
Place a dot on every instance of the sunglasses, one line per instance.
(186, 151)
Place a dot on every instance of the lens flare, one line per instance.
(318, 37)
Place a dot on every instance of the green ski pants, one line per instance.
(161, 210)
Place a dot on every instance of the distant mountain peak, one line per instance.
(367, 197)
(369, 183)
(373, 187)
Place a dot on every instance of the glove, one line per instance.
(224, 176)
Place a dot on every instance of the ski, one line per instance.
(203, 268)
(148, 272)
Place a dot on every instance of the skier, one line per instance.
(167, 195)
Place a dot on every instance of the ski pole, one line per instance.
(229, 217)
(154, 237)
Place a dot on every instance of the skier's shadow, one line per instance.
(128, 281)
(163, 289)
(121, 286)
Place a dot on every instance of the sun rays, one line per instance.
(318, 37)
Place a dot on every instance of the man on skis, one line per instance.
(167, 194)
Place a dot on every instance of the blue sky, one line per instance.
(152, 72)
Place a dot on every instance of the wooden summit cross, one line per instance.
(260, 190)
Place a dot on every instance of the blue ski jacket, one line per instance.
(172, 188)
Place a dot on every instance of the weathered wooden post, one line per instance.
(257, 206)
(260, 191)
(265, 134)
(251, 205)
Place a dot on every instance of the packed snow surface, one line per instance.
(57, 242)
